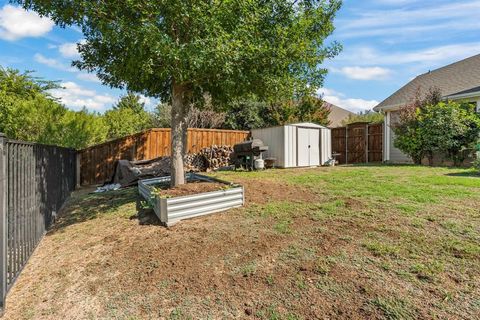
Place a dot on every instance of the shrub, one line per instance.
(429, 126)
(476, 164)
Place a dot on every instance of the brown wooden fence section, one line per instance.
(97, 163)
(358, 143)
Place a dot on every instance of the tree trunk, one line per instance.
(430, 159)
(179, 134)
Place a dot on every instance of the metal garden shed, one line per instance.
(297, 145)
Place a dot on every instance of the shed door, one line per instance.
(308, 152)
(314, 141)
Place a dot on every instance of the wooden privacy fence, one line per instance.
(35, 181)
(358, 143)
(97, 163)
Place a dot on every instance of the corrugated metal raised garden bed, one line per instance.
(170, 210)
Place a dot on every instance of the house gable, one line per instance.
(457, 80)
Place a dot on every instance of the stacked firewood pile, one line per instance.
(127, 173)
(209, 159)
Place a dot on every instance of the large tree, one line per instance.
(179, 50)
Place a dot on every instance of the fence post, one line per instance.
(346, 144)
(3, 222)
(78, 168)
(367, 143)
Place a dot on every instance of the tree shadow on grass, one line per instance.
(465, 174)
(146, 217)
(378, 164)
(81, 208)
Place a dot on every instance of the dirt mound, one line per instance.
(190, 188)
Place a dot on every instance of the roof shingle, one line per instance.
(459, 77)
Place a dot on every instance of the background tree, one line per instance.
(162, 115)
(178, 50)
(313, 109)
(246, 114)
(407, 130)
(82, 129)
(449, 127)
(428, 127)
(205, 117)
(307, 108)
(128, 116)
(366, 116)
(28, 112)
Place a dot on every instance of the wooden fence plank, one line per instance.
(358, 143)
(98, 162)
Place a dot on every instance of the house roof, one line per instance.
(458, 78)
(337, 115)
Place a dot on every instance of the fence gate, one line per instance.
(35, 180)
(358, 143)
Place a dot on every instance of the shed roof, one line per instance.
(459, 77)
(307, 125)
(299, 124)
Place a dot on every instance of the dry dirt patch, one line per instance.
(343, 257)
(190, 188)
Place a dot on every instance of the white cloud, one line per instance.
(76, 97)
(431, 57)
(69, 50)
(146, 100)
(394, 2)
(57, 64)
(16, 23)
(53, 63)
(453, 15)
(90, 77)
(352, 104)
(364, 73)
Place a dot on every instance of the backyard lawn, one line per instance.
(374, 242)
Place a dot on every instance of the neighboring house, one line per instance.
(337, 115)
(457, 81)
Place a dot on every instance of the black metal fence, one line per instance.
(35, 181)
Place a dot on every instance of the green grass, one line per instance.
(373, 242)
(407, 224)
(381, 249)
(394, 309)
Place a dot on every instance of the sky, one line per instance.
(386, 43)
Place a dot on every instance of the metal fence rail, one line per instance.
(35, 181)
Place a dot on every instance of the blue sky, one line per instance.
(386, 43)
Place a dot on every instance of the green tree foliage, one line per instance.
(28, 112)
(449, 127)
(250, 113)
(367, 116)
(246, 114)
(162, 115)
(476, 163)
(407, 128)
(429, 127)
(128, 116)
(82, 129)
(178, 50)
(312, 109)
(205, 117)
(305, 109)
